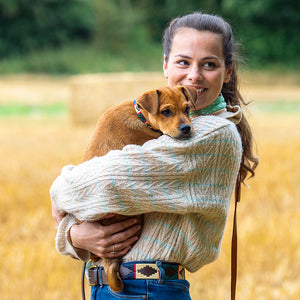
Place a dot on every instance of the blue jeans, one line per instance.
(145, 289)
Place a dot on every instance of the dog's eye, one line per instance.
(187, 110)
(167, 112)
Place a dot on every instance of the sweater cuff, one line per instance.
(63, 241)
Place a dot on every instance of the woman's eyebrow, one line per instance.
(182, 56)
(203, 58)
(210, 57)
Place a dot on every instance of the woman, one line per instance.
(183, 188)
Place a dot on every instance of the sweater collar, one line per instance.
(219, 108)
(231, 113)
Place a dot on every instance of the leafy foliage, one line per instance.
(27, 25)
(268, 30)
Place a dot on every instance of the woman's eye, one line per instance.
(187, 110)
(167, 112)
(182, 63)
(210, 65)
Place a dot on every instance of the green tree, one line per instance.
(35, 24)
(119, 25)
(158, 13)
(268, 29)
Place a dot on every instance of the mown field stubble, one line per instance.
(33, 148)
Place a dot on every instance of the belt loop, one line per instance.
(100, 276)
(162, 272)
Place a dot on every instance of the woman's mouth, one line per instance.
(200, 91)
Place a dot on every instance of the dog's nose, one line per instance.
(186, 129)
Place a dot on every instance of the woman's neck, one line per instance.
(217, 105)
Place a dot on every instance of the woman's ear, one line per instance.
(165, 67)
(228, 73)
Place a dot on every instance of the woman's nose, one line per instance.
(194, 74)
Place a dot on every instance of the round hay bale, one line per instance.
(91, 95)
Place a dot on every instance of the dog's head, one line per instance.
(167, 109)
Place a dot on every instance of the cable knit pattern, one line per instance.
(182, 187)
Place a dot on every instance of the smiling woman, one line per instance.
(183, 188)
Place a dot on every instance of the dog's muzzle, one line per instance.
(185, 129)
(185, 132)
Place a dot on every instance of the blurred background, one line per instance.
(78, 36)
(58, 59)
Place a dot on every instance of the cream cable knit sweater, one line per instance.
(183, 188)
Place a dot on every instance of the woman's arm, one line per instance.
(162, 175)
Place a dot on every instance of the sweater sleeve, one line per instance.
(163, 175)
(63, 241)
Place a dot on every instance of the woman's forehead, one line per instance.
(191, 42)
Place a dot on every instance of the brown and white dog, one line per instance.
(156, 112)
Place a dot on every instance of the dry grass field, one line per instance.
(33, 148)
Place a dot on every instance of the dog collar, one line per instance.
(139, 113)
(142, 117)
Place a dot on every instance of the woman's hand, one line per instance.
(56, 214)
(103, 240)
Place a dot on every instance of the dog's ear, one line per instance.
(190, 94)
(149, 101)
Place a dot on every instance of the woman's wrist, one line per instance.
(72, 236)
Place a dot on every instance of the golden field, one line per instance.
(34, 149)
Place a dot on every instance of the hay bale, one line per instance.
(91, 95)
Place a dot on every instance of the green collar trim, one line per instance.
(218, 104)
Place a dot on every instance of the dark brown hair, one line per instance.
(230, 90)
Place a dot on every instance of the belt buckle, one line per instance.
(93, 275)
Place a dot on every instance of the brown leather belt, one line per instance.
(139, 270)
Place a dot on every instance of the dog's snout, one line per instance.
(185, 129)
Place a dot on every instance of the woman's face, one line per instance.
(196, 59)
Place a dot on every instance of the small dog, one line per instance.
(156, 112)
